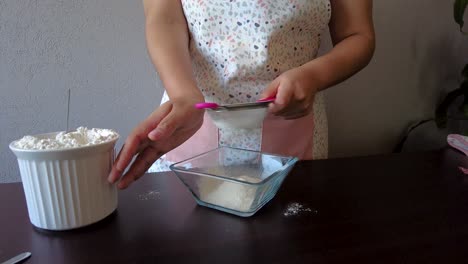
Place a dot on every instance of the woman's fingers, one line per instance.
(137, 141)
(271, 90)
(142, 163)
(296, 107)
(165, 128)
(296, 115)
(283, 98)
(291, 102)
(129, 149)
(157, 120)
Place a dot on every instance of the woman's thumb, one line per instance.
(270, 91)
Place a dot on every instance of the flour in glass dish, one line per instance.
(79, 138)
(232, 195)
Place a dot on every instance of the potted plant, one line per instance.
(441, 115)
(445, 119)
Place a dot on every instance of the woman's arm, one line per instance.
(352, 32)
(353, 36)
(175, 121)
(167, 39)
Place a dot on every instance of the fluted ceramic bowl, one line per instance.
(67, 188)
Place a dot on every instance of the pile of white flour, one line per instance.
(79, 138)
(232, 195)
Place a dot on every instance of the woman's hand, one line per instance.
(352, 33)
(174, 122)
(295, 92)
(166, 128)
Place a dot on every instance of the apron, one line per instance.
(237, 48)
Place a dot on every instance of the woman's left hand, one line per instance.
(295, 92)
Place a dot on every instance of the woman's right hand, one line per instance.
(166, 128)
(174, 122)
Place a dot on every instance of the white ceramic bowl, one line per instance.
(67, 188)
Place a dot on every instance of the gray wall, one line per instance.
(420, 53)
(97, 49)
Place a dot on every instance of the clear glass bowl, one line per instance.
(232, 180)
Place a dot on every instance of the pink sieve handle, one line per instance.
(206, 105)
(268, 99)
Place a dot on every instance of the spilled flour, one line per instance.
(294, 209)
(149, 195)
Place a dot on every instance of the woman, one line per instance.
(240, 51)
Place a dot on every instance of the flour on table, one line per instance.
(149, 195)
(294, 209)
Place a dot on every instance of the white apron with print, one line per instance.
(237, 48)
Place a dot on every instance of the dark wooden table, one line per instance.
(405, 208)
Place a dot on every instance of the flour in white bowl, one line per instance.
(79, 138)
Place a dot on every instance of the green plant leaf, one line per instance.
(465, 72)
(464, 106)
(459, 11)
(441, 111)
(465, 110)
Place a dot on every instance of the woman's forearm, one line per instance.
(344, 60)
(167, 40)
(353, 36)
